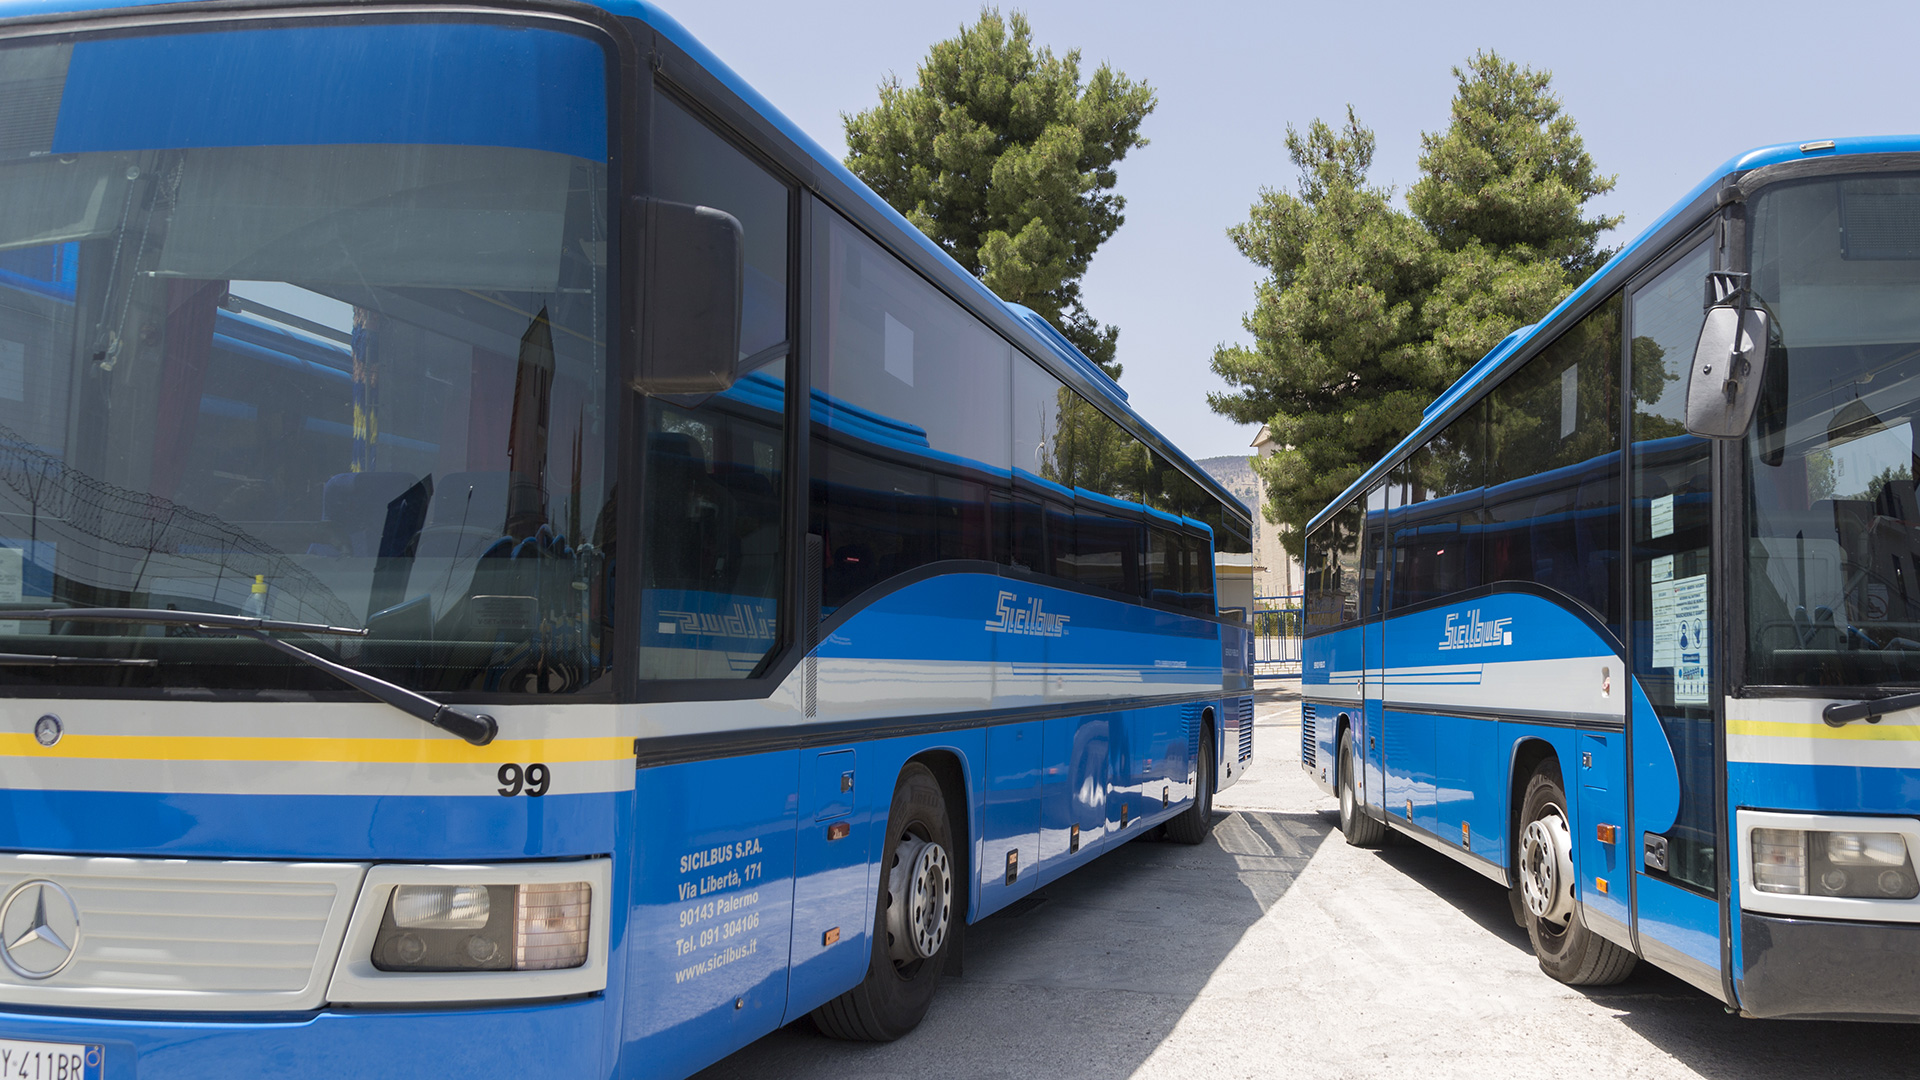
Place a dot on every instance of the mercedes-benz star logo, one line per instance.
(40, 946)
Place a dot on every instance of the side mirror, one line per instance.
(1723, 386)
(690, 306)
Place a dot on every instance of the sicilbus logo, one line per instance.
(1470, 631)
(1027, 619)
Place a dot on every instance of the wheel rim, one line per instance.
(1346, 784)
(919, 900)
(1546, 867)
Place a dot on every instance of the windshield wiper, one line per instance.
(18, 659)
(476, 728)
(1840, 715)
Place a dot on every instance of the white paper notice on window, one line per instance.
(1662, 517)
(12, 576)
(1662, 569)
(1569, 400)
(1680, 636)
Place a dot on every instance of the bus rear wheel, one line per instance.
(1192, 825)
(913, 919)
(1567, 949)
(1360, 830)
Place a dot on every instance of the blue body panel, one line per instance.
(564, 1039)
(183, 90)
(399, 828)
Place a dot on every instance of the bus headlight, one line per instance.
(528, 927)
(1866, 865)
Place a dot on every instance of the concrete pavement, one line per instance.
(1275, 950)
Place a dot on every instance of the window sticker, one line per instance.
(1662, 517)
(1680, 629)
(1663, 568)
(899, 350)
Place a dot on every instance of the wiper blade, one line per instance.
(16, 659)
(476, 728)
(1839, 715)
(171, 617)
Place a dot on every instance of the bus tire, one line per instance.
(1192, 825)
(1567, 949)
(1360, 830)
(913, 926)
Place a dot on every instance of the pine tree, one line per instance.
(1368, 312)
(1337, 369)
(1001, 154)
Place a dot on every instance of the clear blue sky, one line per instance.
(1663, 93)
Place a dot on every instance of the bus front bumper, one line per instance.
(1829, 969)
(558, 1039)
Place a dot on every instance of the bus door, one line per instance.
(1673, 834)
(1373, 648)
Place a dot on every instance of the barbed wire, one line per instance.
(113, 538)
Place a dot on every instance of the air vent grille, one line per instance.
(1246, 728)
(1309, 745)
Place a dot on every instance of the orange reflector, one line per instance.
(838, 830)
(1466, 835)
(1606, 833)
(830, 937)
(1600, 883)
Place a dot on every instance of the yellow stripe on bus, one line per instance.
(446, 751)
(1857, 731)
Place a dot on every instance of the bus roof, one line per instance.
(1519, 346)
(1029, 331)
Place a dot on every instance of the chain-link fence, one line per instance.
(1277, 623)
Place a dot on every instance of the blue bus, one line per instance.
(514, 562)
(1630, 623)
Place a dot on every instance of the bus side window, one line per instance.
(1553, 492)
(910, 409)
(714, 563)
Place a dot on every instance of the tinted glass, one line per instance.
(1553, 472)
(713, 562)
(310, 321)
(1332, 570)
(910, 419)
(1436, 534)
(1833, 585)
(692, 164)
(1672, 529)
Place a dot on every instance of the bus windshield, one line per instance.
(307, 322)
(1833, 585)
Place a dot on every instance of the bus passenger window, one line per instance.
(1333, 570)
(1553, 475)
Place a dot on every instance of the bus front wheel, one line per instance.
(913, 919)
(1567, 949)
(1359, 829)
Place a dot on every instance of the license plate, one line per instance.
(21, 1060)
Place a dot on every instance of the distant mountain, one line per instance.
(1234, 472)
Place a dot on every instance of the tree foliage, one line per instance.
(1001, 154)
(1367, 312)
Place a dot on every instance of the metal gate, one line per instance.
(1277, 622)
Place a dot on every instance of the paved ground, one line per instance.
(1277, 950)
